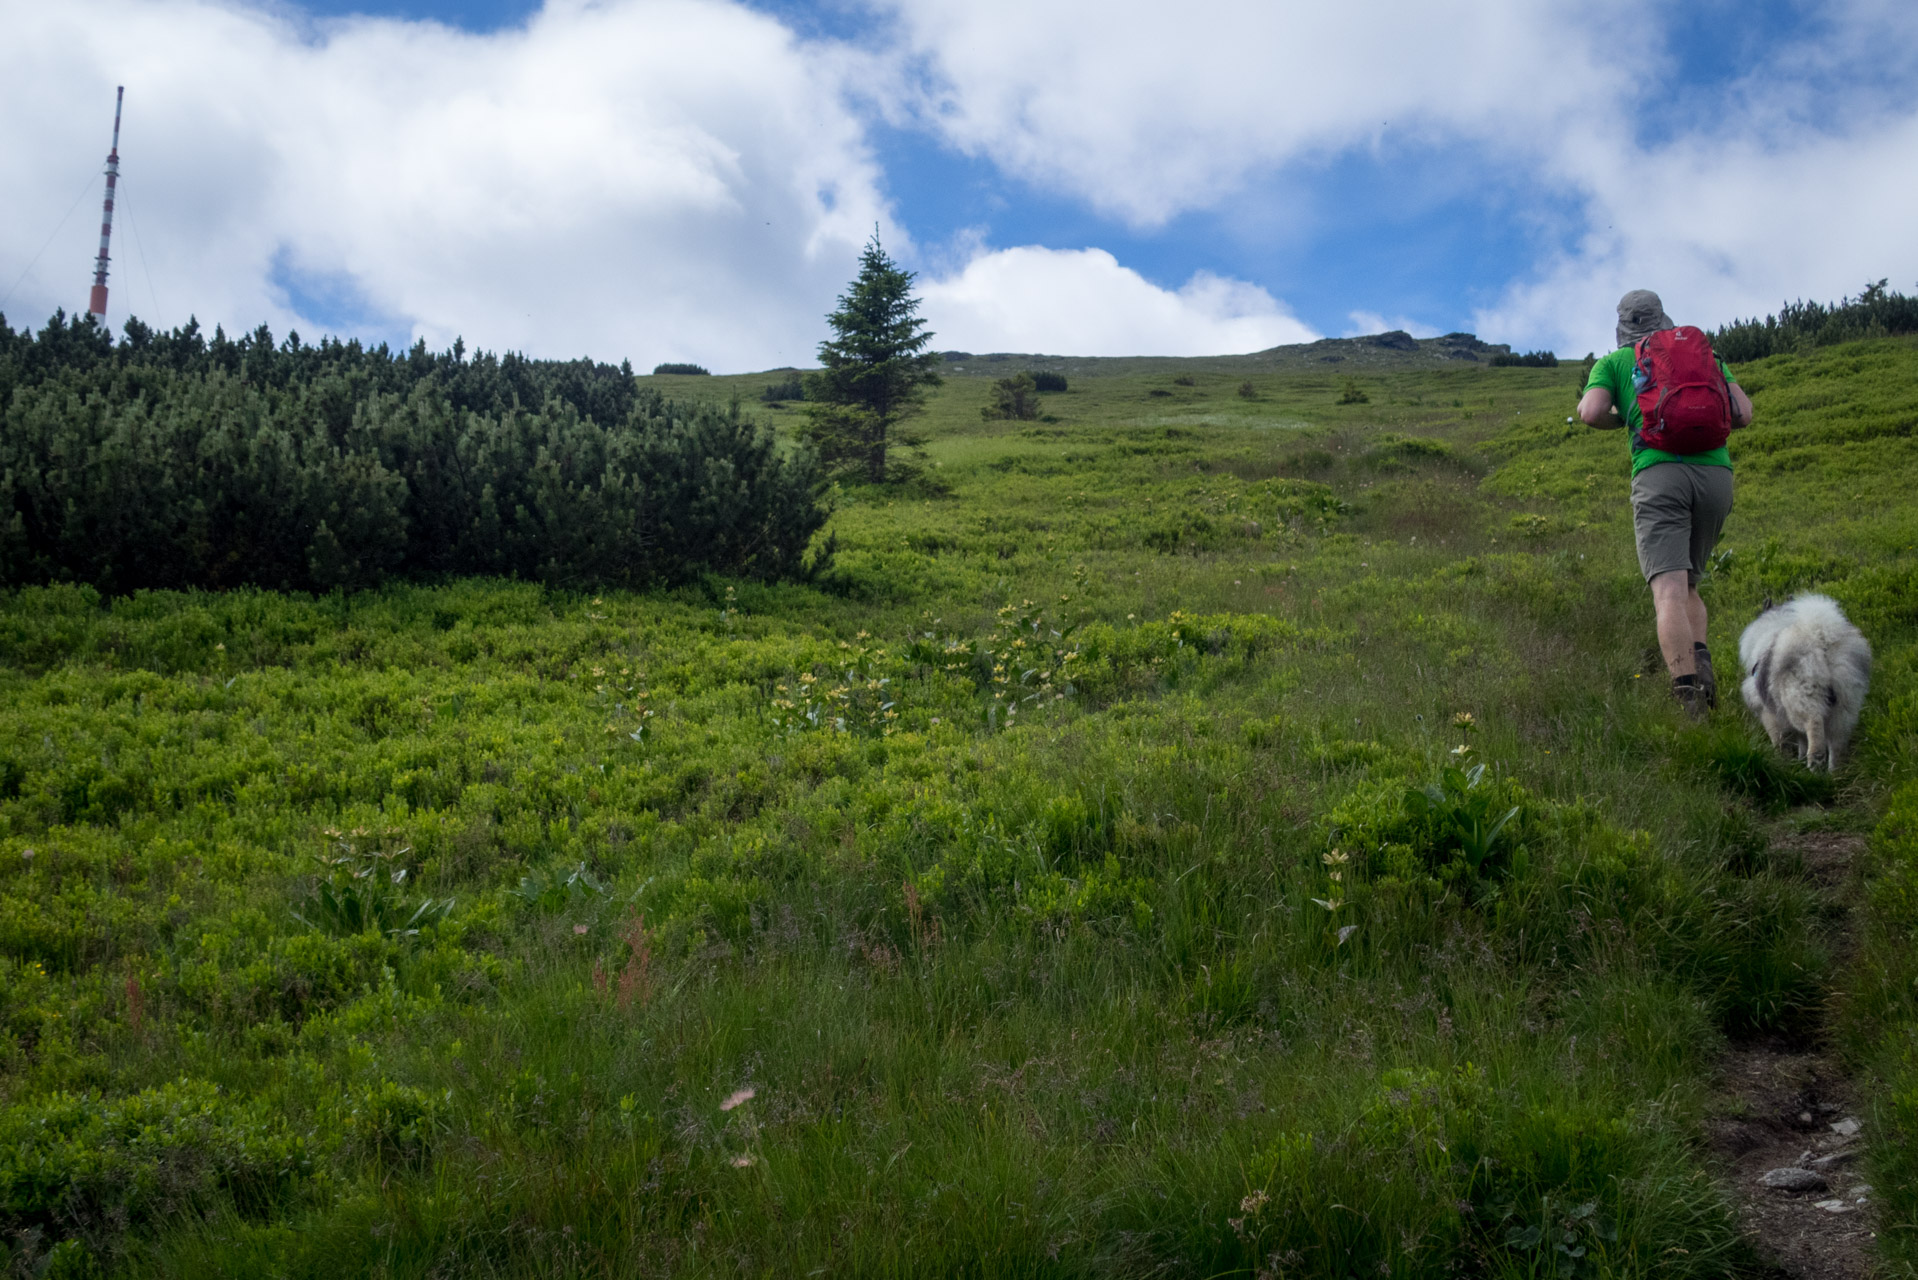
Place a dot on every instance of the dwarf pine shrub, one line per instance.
(170, 462)
(790, 388)
(1015, 398)
(1877, 312)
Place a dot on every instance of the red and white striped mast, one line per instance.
(97, 305)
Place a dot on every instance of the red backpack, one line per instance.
(1682, 397)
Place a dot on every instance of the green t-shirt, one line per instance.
(1614, 373)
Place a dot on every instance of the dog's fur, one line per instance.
(1806, 672)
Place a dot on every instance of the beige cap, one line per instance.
(1639, 313)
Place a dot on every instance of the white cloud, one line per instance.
(665, 179)
(1145, 111)
(1725, 230)
(1792, 178)
(1083, 302)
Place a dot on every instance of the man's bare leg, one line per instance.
(1701, 655)
(1681, 620)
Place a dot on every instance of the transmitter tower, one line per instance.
(97, 304)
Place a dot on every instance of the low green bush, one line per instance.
(389, 1122)
(1465, 827)
(91, 1170)
(1882, 1020)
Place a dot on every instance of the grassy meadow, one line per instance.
(487, 930)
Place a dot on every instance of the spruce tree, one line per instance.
(876, 370)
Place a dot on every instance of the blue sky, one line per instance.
(473, 15)
(690, 179)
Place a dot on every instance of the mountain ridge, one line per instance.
(1395, 350)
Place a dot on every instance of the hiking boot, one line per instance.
(1707, 678)
(1691, 696)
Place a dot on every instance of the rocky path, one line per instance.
(1789, 1132)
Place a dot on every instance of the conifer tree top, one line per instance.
(877, 320)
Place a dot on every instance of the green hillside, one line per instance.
(488, 929)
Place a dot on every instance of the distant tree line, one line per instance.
(171, 459)
(1530, 360)
(1875, 313)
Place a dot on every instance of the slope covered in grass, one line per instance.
(444, 930)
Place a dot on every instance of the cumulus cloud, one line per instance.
(666, 179)
(1788, 177)
(1723, 230)
(1145, 114)
(1083, 302)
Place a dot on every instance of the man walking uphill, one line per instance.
(1679, 403)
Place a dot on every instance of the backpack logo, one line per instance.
(1683, 401)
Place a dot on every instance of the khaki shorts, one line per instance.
(1678, 510)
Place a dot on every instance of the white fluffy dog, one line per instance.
(1806, 672)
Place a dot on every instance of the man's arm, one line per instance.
(1741, 405)
(1595, 408)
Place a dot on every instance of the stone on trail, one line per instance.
(1824, 1164)
(1834, 1206)
(1797, 1181)
(1847, 1128)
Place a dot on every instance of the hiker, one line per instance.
(1681, 470)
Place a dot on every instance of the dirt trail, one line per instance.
(1791, 1113)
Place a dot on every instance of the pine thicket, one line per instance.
(1877, 312)
(169, 459)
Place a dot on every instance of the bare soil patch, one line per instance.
(1789, 1116)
